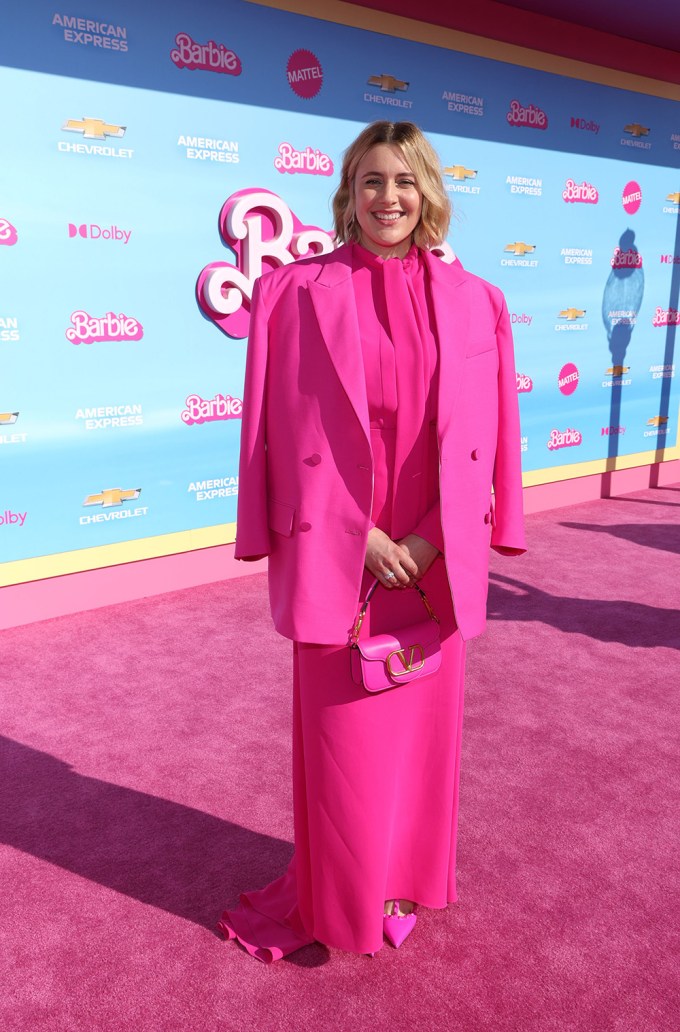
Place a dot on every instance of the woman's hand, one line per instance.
(390, 562)
(421, 551)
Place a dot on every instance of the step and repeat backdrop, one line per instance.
(157, 161)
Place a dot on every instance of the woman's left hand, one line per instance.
(421, 551)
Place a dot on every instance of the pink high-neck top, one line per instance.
(399, 346)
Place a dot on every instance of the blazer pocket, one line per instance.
(280, 517)
(480, 347)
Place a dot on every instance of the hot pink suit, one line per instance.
(371, 400)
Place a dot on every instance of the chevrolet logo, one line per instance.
(519, 248)
(7, 418)
(460, 172)
(572, 313)
(617, 370)
(93, 128)
(674, 198)
(657, 421)
(388, 83)
(112, 496)
(635, 129)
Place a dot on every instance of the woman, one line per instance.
(380, 405)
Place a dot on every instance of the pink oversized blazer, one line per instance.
(305, 484)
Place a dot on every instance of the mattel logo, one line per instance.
(530, 117)
(310, 161)
(208, 57)
(524, 383)
(9, 518)
(586, 124)
(87, 329)
(567, 381)
(631, 197)
(304, 74)
(96, 232)
(8, 234)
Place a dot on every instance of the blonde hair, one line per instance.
(422, 159)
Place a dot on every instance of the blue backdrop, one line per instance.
(126, 132)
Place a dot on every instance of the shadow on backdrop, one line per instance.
(621, 302)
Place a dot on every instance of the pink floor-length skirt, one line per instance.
(375, 789)
(375, 777)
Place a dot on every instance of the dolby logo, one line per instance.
(93, 231)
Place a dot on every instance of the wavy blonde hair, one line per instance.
(422, 159)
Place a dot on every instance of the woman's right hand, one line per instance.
(389, 562)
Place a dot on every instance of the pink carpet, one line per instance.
(145, 781)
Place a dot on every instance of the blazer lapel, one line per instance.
(452, 317)
(333, 301)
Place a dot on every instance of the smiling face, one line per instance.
(387, 201)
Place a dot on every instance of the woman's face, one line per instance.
(387, 200)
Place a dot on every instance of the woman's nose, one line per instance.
(388, 193)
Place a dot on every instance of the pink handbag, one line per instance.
(387, 660)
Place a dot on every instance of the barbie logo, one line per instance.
(564, 439)
(585, 193)
(87, 329)
(202, 410)
(312, 162)
(530, 117)
(630, 259)
(263, 233)
(666, 317)
(8, 234)
(208, 57)
(524, 383)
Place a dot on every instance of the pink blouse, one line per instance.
(399, 344)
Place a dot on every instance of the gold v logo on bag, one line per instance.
(389, 659)
(415, 660)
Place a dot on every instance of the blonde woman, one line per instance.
(380, 408)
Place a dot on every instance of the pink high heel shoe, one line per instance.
(397, 927)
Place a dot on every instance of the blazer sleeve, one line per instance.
(430, 527)
(507, 526)
(252, 528)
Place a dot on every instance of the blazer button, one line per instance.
(305, 526)
(487, 517)
(474, 455)
(312, 460)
